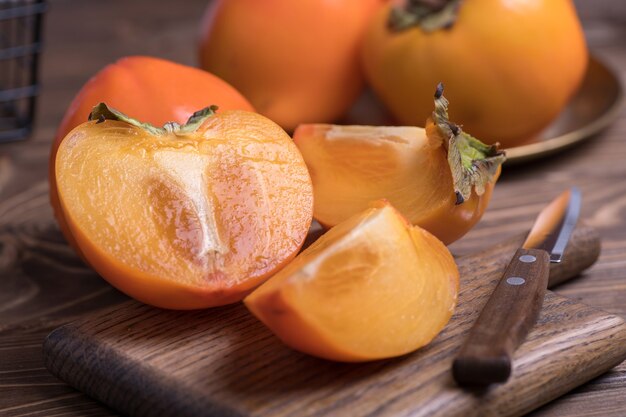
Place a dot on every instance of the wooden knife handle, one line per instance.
(504, 322)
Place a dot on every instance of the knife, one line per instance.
(514, 306)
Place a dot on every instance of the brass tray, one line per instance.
(593, 108)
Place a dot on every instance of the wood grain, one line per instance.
(59, 294)
(144, 361)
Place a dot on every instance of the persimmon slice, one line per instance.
(185, 218)
(439, 177)
(354, 165)
(372, 287)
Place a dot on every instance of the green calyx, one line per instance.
(473, 164)
(102, 112)
(429, 15)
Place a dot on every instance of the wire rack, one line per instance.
(20, 48)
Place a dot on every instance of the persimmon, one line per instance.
(511, 66)
(372, 287)
(296, 61)
(439, 178)
(188, 216)
(153, 90)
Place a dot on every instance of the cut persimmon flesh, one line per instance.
(354, 165)
(439, 178)
(184, 217)
(372, 287)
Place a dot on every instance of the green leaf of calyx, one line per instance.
(196, 119)
(102, 112)
(473, 164)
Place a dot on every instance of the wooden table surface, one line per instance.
(83, 36)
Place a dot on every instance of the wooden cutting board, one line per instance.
(144, 361)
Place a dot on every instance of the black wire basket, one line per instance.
(20, 47)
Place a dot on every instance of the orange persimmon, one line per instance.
(439, 178)
(510, 66)
(153, 90)
(372, 287)
(296, 61)
(188, 216)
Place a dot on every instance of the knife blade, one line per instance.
(513, 308)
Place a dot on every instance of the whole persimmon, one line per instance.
(372, 287)
(510, 66)
(184, 217)
(296, 61)
(153, 90)
(439, 178)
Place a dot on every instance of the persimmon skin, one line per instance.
(296, 61)
(149, 289)
(416, 178)
(258, 188)
(405, 261)
(451, 222)
(508, 67)
(153, 90)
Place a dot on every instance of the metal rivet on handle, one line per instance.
(527, 259)
(515, 281)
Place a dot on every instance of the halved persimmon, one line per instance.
(372, 287)
(439, 177)
(187, 216)
(153, 90)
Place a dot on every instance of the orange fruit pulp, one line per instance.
(189, 218)
(372, 287)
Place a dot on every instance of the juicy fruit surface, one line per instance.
(351, 166)
(135, 85)
(372, 287)
(505, 88)
(185, 221)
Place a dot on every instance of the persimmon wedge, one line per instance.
(439, 178)
(189, 216)
(372, 287)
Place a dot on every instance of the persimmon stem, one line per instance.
(473, 164)
(429, 15)
(434, 5)
(102, 112)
